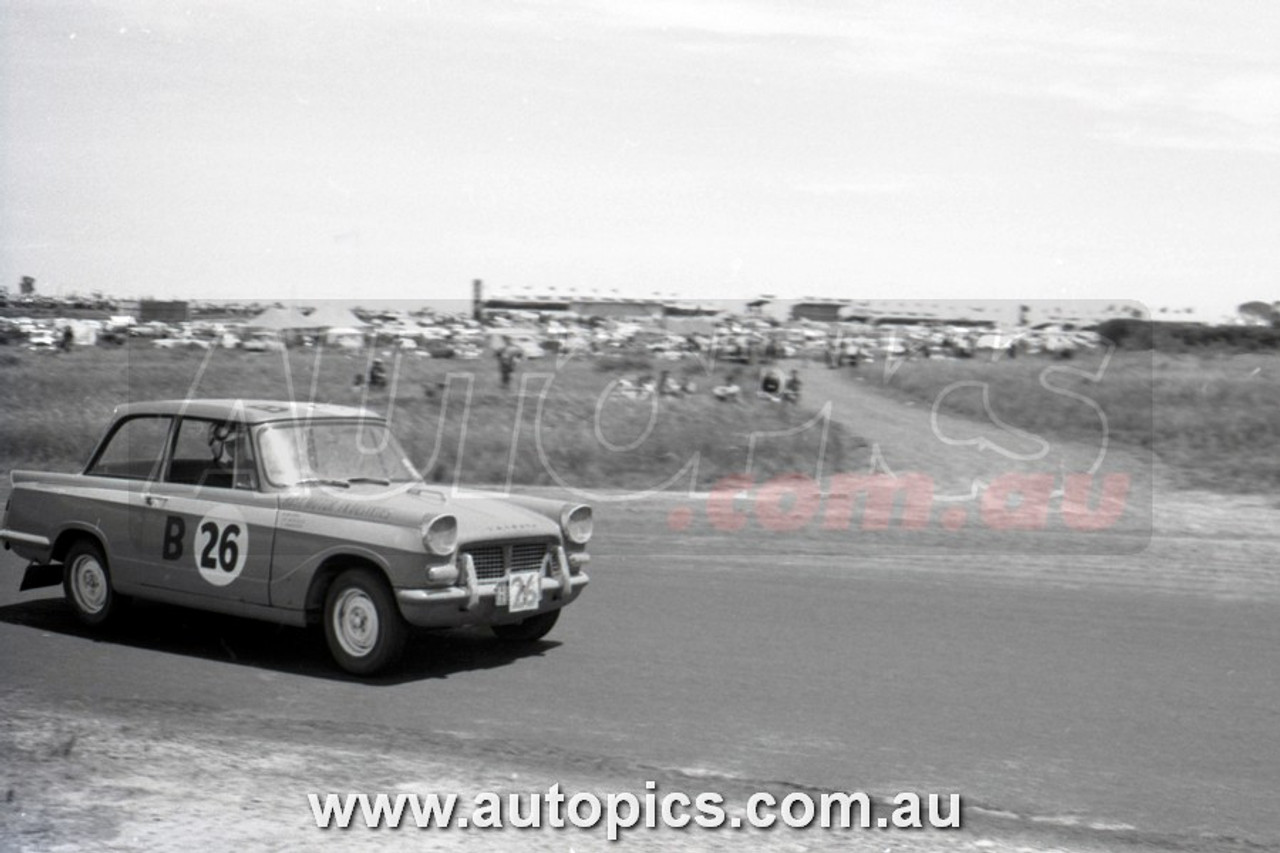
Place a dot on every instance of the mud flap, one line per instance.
(39, 576)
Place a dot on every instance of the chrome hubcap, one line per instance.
(89, 584)
(355, 623)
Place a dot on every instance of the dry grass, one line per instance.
(1214, 420)
(452, 416)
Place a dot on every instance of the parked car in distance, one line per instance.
(295, 513)
(42, 340)
(262, 344)
(182, 343)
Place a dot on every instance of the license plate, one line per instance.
(522, 591)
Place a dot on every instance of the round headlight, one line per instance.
(577, 524)
(440, 535)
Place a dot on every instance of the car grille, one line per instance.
(494, 561)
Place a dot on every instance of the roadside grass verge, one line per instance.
(1214, 420)
(557, 425)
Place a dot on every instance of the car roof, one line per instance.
(248, 411)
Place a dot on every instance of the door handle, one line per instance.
(155, 500)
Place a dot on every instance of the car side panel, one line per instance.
(305, 541)
(49, 504)
(209, 541)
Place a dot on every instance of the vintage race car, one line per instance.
(294, 513)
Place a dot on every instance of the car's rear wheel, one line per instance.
(528, 630)
(86, 581)
(362, 624)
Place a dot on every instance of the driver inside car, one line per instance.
(232, 451)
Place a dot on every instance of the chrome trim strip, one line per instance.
(28, 538)
(431, 596)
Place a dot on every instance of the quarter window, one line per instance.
(134, 449)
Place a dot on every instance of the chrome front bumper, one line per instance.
(473, 602)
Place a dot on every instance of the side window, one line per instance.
(134, 449)
(213, 453)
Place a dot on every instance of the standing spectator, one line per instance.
(68, 338)
(378, 374)
(791, 392)
(508, 356)
(852, 354)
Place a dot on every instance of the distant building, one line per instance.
(692, 309)
(617, 309)
(819, 310)
(523, 303)
(172, 311)
(614, 308)
(1080, 314)
(921, 319)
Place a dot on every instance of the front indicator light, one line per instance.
(445, 575)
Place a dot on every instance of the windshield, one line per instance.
(337, 453)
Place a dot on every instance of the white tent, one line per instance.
(278, 320)
(331, 315)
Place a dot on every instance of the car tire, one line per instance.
(362, 624)
(86, 583)
(528, 630)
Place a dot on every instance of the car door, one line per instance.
(209, 525)
(116, 482)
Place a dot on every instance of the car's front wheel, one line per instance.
(528, 630)
(86, 581)
(362, 624)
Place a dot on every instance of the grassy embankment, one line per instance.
(1213, 419)
(56, 407)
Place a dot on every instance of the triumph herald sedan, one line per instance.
(298, 514)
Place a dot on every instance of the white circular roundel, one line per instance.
(221, 545)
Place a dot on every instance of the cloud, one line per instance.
(1250, 99)
(878, 186)
(1140, 137)
(1211, 82)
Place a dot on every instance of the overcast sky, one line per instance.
(707, 149)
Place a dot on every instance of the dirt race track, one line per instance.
(1108, 690)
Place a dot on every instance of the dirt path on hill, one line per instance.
(1191, 541)
(955, 452)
